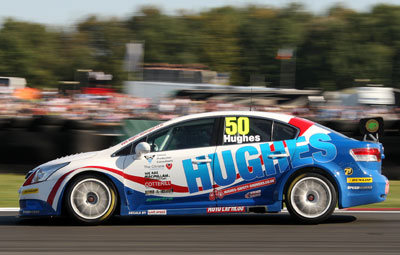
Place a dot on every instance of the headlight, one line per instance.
(44, 172)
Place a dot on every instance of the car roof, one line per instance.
(302, 124)
(278, 116)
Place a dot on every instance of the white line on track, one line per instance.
(377, 212)
(9, 209)
(351, 211)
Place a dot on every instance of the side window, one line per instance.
(128, 149)
(191, 134)
(157, 141)
(283, 132)
(241, 129)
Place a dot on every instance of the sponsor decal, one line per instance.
(360, 180)
(30, 191)
(348, 171)
(158, 192)
(359, 187)
(220, 194)
(248, 186)
(137, 213)
(30, 212)
(157, 212)
(149, 158)
(212, 196)
(227, 209)
(157, 199)
(168, 166)
(253, 162)
(155, 175)
(154, 167)
(157, 184)
(163, 159)
(241, 188)
(251, 194)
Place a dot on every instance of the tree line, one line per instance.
(330, 51)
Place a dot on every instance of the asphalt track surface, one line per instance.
(344, 233)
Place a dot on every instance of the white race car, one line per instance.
(218, 162)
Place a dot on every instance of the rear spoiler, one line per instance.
(371, 128)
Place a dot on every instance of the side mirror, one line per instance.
(141, 149)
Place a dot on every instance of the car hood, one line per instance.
(69, 158)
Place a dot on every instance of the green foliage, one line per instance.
(331, 50)
(27, 50)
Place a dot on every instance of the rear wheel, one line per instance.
(90, 199)
(311, 198)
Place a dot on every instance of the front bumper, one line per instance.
(35, 207)
(33, 200)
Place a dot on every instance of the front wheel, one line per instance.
(311, 198)
(90, 199)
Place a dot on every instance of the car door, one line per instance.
(177, 173)
(248, 162)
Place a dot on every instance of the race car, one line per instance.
(213, 163)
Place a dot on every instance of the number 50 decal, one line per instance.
(234, 125)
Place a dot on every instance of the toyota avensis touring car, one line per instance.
(211, 163)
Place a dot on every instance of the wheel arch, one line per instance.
(309, 169)
(114, 181)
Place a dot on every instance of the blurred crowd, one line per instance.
(115, 107)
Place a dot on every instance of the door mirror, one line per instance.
(141, 149)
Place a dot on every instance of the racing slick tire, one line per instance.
(311, 198)
(90, 199)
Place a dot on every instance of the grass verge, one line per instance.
(10, 183)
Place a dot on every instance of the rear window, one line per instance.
(283, 132)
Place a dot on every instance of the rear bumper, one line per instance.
(362, 193)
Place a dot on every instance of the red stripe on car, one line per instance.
(302, 124)
(53, 192)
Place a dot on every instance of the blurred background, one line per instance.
(86, 82)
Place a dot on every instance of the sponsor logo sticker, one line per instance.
(30, 191)
(241, 188)
(30, 212)
(155, 199)
(249, 186)
(227, 209)
(348, 171)
(359, 187)
(157, 184)
(360, 180)
(157, 212)
(251, 194)
(137, 213)
(149, 158)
